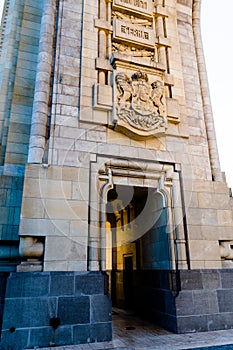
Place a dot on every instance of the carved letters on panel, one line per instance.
(133, 33)
(140, 104)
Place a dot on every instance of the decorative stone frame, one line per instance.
(164, 177)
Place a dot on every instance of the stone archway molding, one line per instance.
(165, 179)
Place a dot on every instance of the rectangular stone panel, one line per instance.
(82, 334)
(18, 339)
(225, 300)
(27, 285)
(192, 324)
(184, 303)
(205, 301)
(42, 335)
(90, 283)
(28, 312)
(62, 284)
(64, 335)
(227, 279)
(211, 279)
(101, 307)
(134, 34)
(101, 331)
(72, 310)
(102, 96)
(220, 321)
(191, 280)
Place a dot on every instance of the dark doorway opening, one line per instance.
(137, 227)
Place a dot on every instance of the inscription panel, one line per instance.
(143, 6)
(133, 33)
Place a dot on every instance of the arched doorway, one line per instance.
(138, 245)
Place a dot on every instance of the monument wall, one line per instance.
(120, 172)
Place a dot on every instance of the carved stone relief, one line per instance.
(144, 7)
(133, 30)
(226, 250)
(128, 34)
(140, 104)
(132, 51)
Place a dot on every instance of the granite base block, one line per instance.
(52, 309)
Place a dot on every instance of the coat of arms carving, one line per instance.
(140, 104)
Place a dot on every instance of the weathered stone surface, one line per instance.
(15, 338)
(28, 285)
(38, 310)
(62, 284)
(101, 308)
(90, 283)
(98, 97)
(191, 280)
(74, 310)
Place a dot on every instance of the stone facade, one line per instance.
(107, 138)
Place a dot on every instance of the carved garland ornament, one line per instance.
(140, 103)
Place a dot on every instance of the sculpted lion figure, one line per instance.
(124, 86)
(157, 95)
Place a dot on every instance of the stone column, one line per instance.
(208, 114)
(178, 223)
(32, 248)
(160, 34)
(40, 112)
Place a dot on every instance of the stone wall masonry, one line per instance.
(65, 128)
(195, 116)
(209, 219)
(89, 53)
(55, 205)
(55, 309)
(205, 301)
(65, 109)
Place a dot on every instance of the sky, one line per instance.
(217, 30)
(1, 7)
